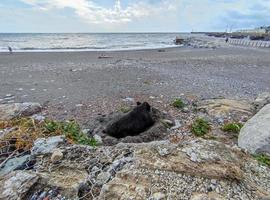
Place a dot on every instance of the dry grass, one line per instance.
(25, 131)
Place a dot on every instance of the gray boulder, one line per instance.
(17, 184)
(10, 111)
(255, 135)
(12, 164)
(47, 146)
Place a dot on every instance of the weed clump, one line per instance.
(263, 159)
(232, 127)
(178, 103)
(24, 131)
(200, 127)
(71, 130)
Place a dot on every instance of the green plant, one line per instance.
(178, 103)
(125, 109)
(200, 127)
(26, 130)
(263, 159)
(234, 127)
(71, 130)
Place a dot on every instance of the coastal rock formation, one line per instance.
(10, 111)
(255, 135)
(186, 170)
(158, 170)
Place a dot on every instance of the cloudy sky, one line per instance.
(131, 15)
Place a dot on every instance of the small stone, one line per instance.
(56, 156)
(169, 122)
(85, 131)
(177, 125)
(129, 99)
(39, 118)
(158, 196)
(193, 157)
(98, 139)
(9, 95)
(185, 110)
(103, 178)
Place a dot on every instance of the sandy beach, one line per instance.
(70, 80)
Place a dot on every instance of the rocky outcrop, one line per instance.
(226, 109)
(255, 135)
(10, 111)
(188, 170)
(158, 170)
(17, 184)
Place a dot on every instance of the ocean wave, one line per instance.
(60, 48)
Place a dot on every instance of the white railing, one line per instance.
(250, 43)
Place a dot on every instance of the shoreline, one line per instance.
(93, 50)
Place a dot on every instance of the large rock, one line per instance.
(255, 135)
(226, 109)
(10, 111)
(17, 184)
(13, 164)
(262, 100)
(47, 145)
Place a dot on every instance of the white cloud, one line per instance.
(160, 15)
(95, 14)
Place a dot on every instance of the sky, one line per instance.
(131, 15)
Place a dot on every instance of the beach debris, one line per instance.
(161, 50)
(130, 99)
(179, 41)
(102, 56)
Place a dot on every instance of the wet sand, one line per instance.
(70, 80)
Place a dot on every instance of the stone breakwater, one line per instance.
(181, 164)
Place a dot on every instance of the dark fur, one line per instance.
(133, 123)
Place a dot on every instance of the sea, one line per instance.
(36, 42)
